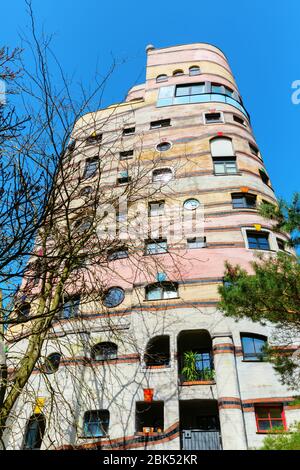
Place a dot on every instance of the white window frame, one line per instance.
(272, 239)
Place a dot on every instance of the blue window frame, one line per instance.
(258, 241)
(253, 347)
(95, 423)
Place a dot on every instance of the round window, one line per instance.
(52, 363)
(113, 297)
(163, 146)
(191, 204)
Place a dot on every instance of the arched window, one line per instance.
(161, 78)
(86, 191)
(253, 346)
(104, 351)
(178, 72)
(162, 290)
(162, 175)
(194, 70)
(34, 433)
(95, 423)
(52, 363)
(158, 351)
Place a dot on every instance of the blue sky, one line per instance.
(260, 39)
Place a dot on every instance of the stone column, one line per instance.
(229, 401)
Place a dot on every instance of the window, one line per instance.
(194, 70)
(94, 138)
(95, 423)
(72, 145)
(150, 416)
(86, 191)
(243, 201)
(162, 175)
(264, 177)
(258, 240)
(160, 123)
(158, 351)
(126, 155)
(253, 347)
(162, 290)
(211, 118)
(70, 307)
(163, 146)
(239, 120)
(23, 310)
(190, 90)
(224, 166)
(191, 204)
(254, 149)
(104, 351)
(216, 88)
(155, 247)
(221, 147)
(34, 433)
(113, 297)
(281, 244)
(196, 242)
(91, 167)
(156, 208)
(124, 178)
(128, 131)
(228, 91)
(178, 72)
(161, 78)
(120, 253)
(52, 363)
(203, 363)
(83, 225)
(270, 418)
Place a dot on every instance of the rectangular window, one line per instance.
(94, 139)
(95, 423)
(258, 240)
(264, 177)
(254, 149)
(281, 244)
(270, 418)
(70, 308)
(190, 90)
(211, 118)
(253, 347)
(224, 166)
(128, 131)
(239, 120)
(196, 242)
(126, 155)
(160, 123)
(217, 89)
(162, 291)
(243, 201)
(91, 167)
(156, 208)
(155, 247)
(150, 416)
(123, 179)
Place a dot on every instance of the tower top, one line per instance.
(149, 47)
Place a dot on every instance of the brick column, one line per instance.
(229, 400)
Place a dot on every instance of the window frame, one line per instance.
(162, 125)
(127, 131)
(256, 356)
(259, 234)
(166, 171)
(111, 348)
(269, 418)
(99, 423)
(162, 287)
(193, 69)
(158, 242)
(126, 155)
(119, 301)
(161, 78)
(244, 196)
(160, 204)
(225, 161)
(89, 162)
(39, 421)
(74, 301)
(221, 120)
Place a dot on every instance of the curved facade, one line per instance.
(143, 395)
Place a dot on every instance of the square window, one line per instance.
(258, 240)
(95, 423)
(156, 208)
(270, 418)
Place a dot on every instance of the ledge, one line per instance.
(198, 382)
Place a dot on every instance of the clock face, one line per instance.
(191, 204)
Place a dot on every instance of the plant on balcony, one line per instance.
(190, 371)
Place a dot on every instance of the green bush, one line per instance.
(284, 440)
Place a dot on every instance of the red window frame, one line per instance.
(270, 418)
